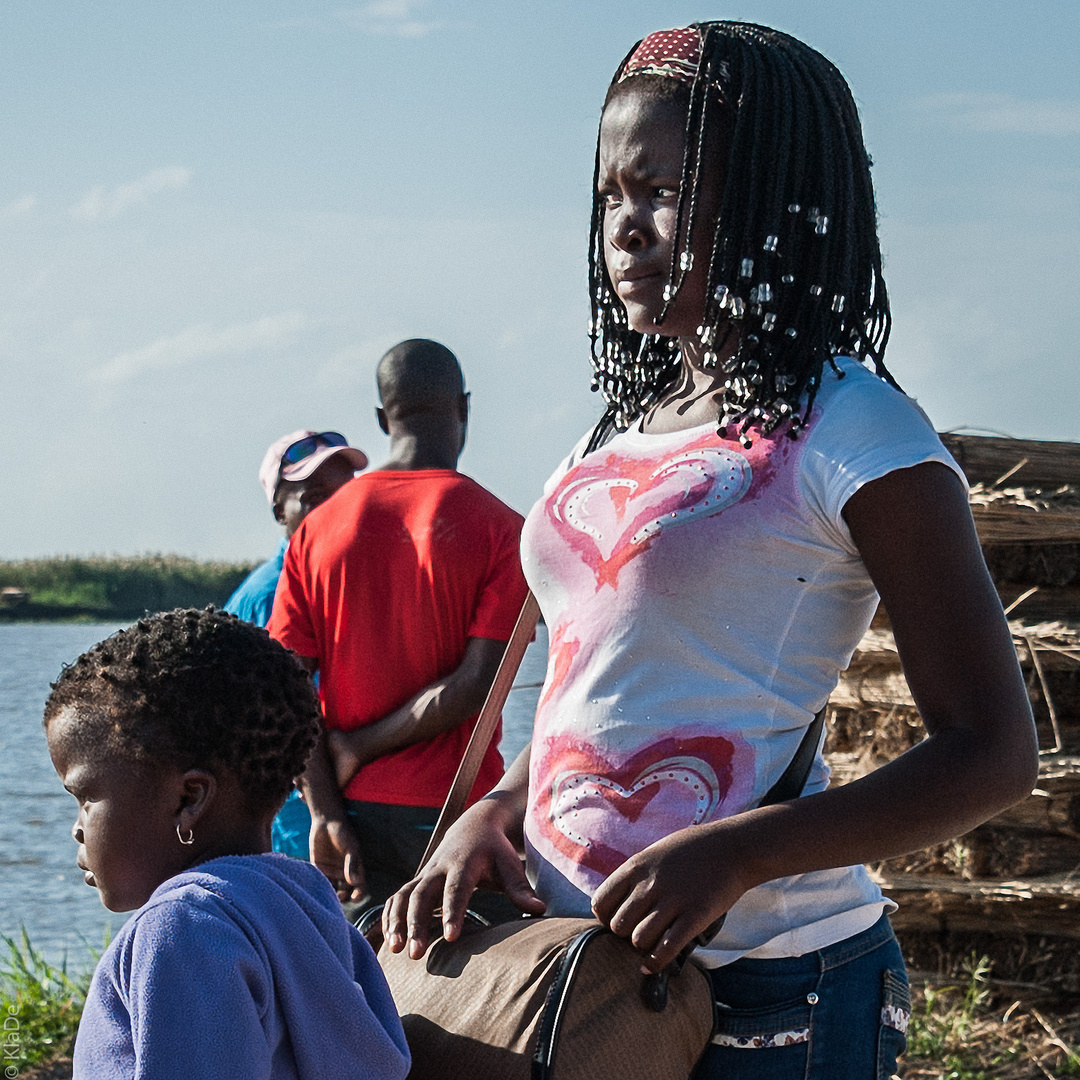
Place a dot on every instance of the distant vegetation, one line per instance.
(107, 589)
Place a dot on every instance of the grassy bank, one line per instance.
(41, 1004)
(109, 589)
(979, 1028)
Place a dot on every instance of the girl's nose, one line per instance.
(628, 231)
(77, 832)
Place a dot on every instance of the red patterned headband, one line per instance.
(672, 53)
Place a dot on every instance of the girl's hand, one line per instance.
(666, 895)
(477, 850)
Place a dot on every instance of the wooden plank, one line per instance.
(1060, 888)
(1057, 645)
(1005, 523)
(986, 458)
(1054, 805)
(994, 853)
(1053, 808)
(874, 686)
(880, 691)
(938, 904)
(1052, 603)
(945, 913)
(1060, 772)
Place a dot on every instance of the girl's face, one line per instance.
(642, 140)
(127, 817)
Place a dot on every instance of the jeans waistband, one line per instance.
(860, 944)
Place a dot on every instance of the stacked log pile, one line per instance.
(1011, 887)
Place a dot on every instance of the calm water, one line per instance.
(40, 886)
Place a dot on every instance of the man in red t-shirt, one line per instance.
(402, 591)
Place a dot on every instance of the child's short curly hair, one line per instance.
(196, 688)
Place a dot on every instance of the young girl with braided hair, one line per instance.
(180, 738)
(707, 560)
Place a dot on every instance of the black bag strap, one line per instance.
(793, 778)
(789, 786)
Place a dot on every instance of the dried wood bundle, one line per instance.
(1015, 879)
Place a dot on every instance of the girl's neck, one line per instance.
(253, 839)
(695, 397)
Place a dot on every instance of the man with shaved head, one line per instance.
(419, 376)
(402, 592)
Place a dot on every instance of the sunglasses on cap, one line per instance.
(304, 448)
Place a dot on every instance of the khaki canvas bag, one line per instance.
(545, 999)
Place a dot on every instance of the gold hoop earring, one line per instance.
(190, 835)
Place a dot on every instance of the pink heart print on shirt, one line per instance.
(609, 508)
(598, 812)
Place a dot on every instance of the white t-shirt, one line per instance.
(701, 600)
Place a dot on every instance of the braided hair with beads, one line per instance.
(196, 688)
(795, 264)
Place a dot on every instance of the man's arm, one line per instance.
(333, 843)
(439, 707)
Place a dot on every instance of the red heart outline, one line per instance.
(567, 757)
(644, 496)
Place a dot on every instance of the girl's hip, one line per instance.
(841, 1011)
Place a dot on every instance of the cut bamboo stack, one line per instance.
(1010, 888)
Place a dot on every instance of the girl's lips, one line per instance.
(630, 287)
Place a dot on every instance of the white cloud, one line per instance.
(198, 342)
(395, 17)
(1005, 113)
(17, 209)
(103, 203)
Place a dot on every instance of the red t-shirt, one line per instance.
(384, 584)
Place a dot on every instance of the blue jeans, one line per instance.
(836, 1014)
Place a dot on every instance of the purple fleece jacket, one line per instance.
(243, 968)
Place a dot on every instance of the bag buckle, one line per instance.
(654, 988)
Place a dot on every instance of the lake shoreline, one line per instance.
(67, 589)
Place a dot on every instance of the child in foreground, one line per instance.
(180, 738)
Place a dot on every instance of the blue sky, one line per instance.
(215, 217)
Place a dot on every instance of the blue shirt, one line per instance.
(254, 598)
(241, 968)
(253, 601)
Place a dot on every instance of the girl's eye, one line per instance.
(609, 198)
(667, 193)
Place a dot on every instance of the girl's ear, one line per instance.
(197, 791)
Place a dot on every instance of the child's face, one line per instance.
(642, 142)
(126, 823)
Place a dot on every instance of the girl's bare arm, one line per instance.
(914, 531)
